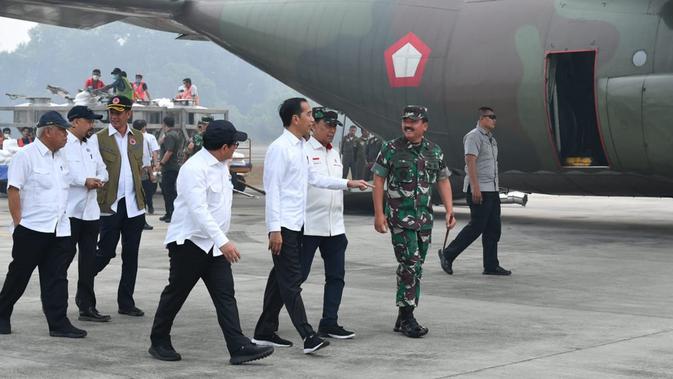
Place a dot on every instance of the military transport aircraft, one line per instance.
(583, 89)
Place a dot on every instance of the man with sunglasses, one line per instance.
(483, 197)
(410, 165)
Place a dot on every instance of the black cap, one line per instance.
(116, 71)
(96, 71)
(82, 111)
(223, 132)
(119, 103)
(330, 117)
(415, 112)
(53, 118)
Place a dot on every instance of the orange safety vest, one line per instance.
(187, 93)
(138, 91)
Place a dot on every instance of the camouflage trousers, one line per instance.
(411, 248)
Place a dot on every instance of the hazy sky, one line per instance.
(13, 32)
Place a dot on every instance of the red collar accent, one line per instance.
(329, 146)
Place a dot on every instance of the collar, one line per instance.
(410, 145)
(291, 137)
(112, 131)
(316, 145)
(483, 131)
(41, 147)
(207, 157)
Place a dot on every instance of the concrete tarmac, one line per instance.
(590, 297)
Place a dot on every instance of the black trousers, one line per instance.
(84, 234)
(130, 230)
(188, 264)
(284, 288)
(50, 255)
(150, 189)
(168, 189)
(484, 221)
(333, 253)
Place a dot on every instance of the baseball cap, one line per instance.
(53, 118)
(224, 132)
(330, 117)
(415, 112)
(116, 71)
(119, 103)
(82, 111)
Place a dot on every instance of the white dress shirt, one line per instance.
(84, 161)
(324, 208)
(42, 180)
(125, 188)
(151, 142)
(286, 178)
(203, 207)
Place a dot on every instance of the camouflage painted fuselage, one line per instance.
(474, 52)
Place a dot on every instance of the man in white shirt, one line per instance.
(121, 200)
(286, 177)
(87, 173)
(198, 246)
(37, 192)
(148, 177)
(324, 224)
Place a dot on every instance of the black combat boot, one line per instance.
(407, 324)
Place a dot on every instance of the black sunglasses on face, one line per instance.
(491, 116)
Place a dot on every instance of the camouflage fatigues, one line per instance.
(410, 172)
(197, 139)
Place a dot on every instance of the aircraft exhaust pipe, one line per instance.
(514, 198)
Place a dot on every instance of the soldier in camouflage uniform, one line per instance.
(410, 165)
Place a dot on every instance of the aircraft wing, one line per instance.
(88, 15)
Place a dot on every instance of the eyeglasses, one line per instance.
(491, 116)
(235, 144)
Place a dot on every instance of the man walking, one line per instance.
(87, 173)
(121, 200)
(324, 224)
(483, 197)
(199, 248)
(171, 158)
(37, 192)
(410, 165)
(286, 176)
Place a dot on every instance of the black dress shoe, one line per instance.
(69, 331)
(164, 353)
(148, 227)
(5, 326)
(165, 217)
(249, 353)
(498, 271)
(91, 314)
(150, 210)
(447, 264)
(135, 312)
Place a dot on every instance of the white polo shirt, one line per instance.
(203, 207)
(324, 208)
(286, 178)
(84, 161)
(42, 180)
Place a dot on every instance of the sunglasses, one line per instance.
(491, 116)
(234, 144)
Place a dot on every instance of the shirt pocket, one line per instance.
(404, 171)
(42, 178)
(432, 169)
(215, 193)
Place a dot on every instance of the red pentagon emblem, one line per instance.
(406, 60)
